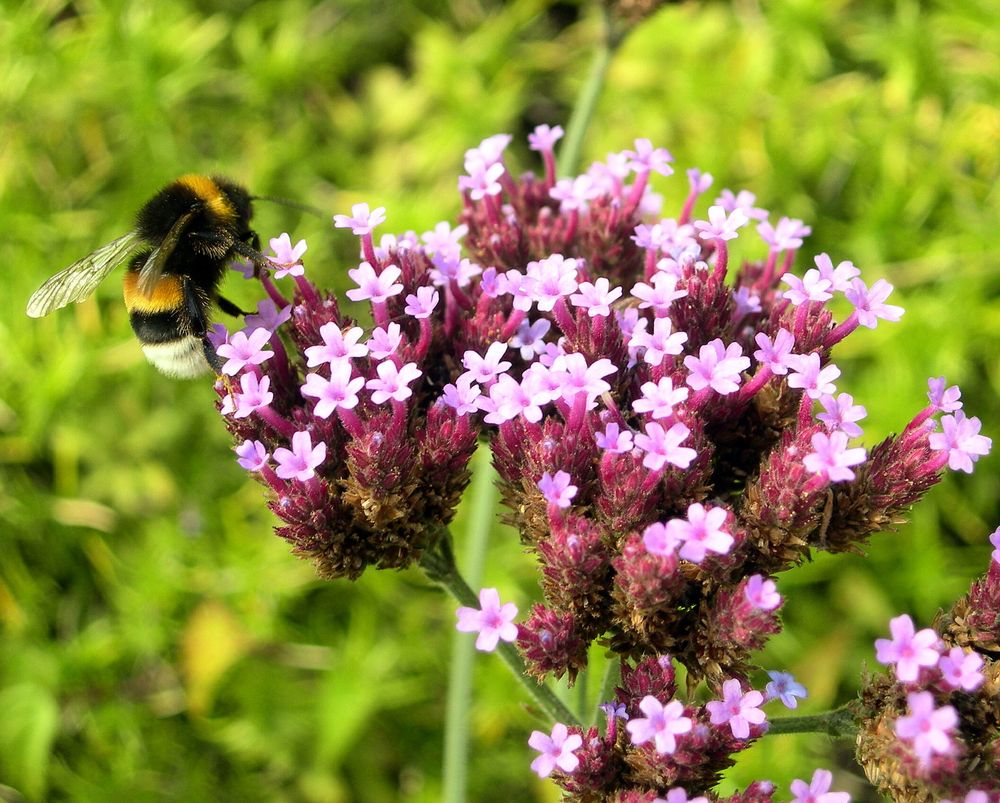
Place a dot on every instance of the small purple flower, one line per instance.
(679, 795)
(660, 540)
(908, 650)
(392, 382)
(384, 342)
(574, 194)
(613, 440)
(944, 400)
(811, 287)
(252, 455)
(377, 287)
(786, 236)
(839, 277)
(645, 158)
(544, 137)
(961, 669)
(491, 620)
(661, 725)
(808, 375)
(927, 727)
(255, 394)
(444, 239)
(556, 750)
(761, 593)
(423, 303)
(613, 710)
(462, 395)
(743, 200)
(701, 532)
(962, 441)
(242, 351)
(596, 297)
(268, 316)
(660, 293)
(662, 342)
(658, 399)
(720, 225)
(557, 489)
(530, 337)
(555, 278)
(784, 687)
(831, 458)
(301, 461)
(483, 179)
(337, 345)
(576, 376)
(775, 354)
(490, 150)
(698, 182)
(286, 259)
(487, 368)
(995, 540)
(841, 413)
(717, 366)
(817, 791)
(868, 303)
(339, 392)
(361, 221)
(737, 709)
(664, 446)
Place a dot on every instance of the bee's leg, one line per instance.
(229, 307)
(251, 251)
(194, 307)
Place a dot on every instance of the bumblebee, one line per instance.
(184, 238)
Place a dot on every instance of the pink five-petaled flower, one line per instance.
(717, 366)
(831, 458)
(491, 620)
(423, 303)
(811, 287)
(337, 345)
(995, 540)
(659, 539)
(361, 221)
(942, 399)
(486, 369)
(462, 395)
(840, 276)
(961, 439)
(679, 795)
(907, 650)
(774, 353)
(378, 287)
(615, 440)
(556, 750)
(301, 461)
(927, 727)
(807, 374)
(255, 394)
(557, 490)
(339, 392)
(721, 226)
(961, 669)
(787, 235)
(660, 343)
(662, 724)
(659, 399)
(544, 137)
(817, 790)
(868, 303)
(664, 446)
(701, 532)
(784, 687)
(241, 351)
(841, 413)
(286, 259)
(483, 179)
(596, 297)
(740, 710)
(252, 455)
(645, 158)
(659, 294)
(744, 200)
(762, 593)
(392, 382)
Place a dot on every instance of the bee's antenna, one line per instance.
(312, 210)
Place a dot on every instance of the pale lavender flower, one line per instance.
(942, 399)
(337, 345)
(811, 287)
(784, 687)
(664, 446)
(717, 366)
(491, 620)
(384, 342)
(908, 650)
(662, 342)
(961, 669)
(544, 137)
(339, 392)
(841, 413)
(961, 439)
(286, 259)
(743, 200)
(658, 399)
(485, 369)
(300, 462)
(817, 791)
(701, 533)
(575, 194)
(556, 750)
(242, 351)
(377, 287)
(737, 709)
(839, 277)
(775, 354)
(661, 540)
(613, 440)
(557, 489)
(361, 220)
(831, 458)
(423, 303)
(721, 226)
(252, 455)
(596, 297)
(268, 316)
(869, 303)
(661, 725)
(645, 158)
(659, 294)
(462, 395)
(786, 236)
(530, 337)
(392, 382)
(928, 728)
(809, 376)
(762, 593)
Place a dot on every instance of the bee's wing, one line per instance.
(151, 272)
(80, 279)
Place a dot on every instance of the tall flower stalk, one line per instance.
(663, 413)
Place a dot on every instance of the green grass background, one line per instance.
(157, 642)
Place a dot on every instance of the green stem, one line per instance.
(612, 675)
(482, 500)
(839, 724)
(586, 101)
(438, 563)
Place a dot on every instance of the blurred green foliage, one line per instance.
(156, 641)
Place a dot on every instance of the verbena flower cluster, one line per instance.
(664, 420)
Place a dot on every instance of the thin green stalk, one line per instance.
(586, 101)
(439, 565)
(839, 724)
(612, 675)
(482, 502)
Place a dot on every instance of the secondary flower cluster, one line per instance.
(664, 744)
(932, 728)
